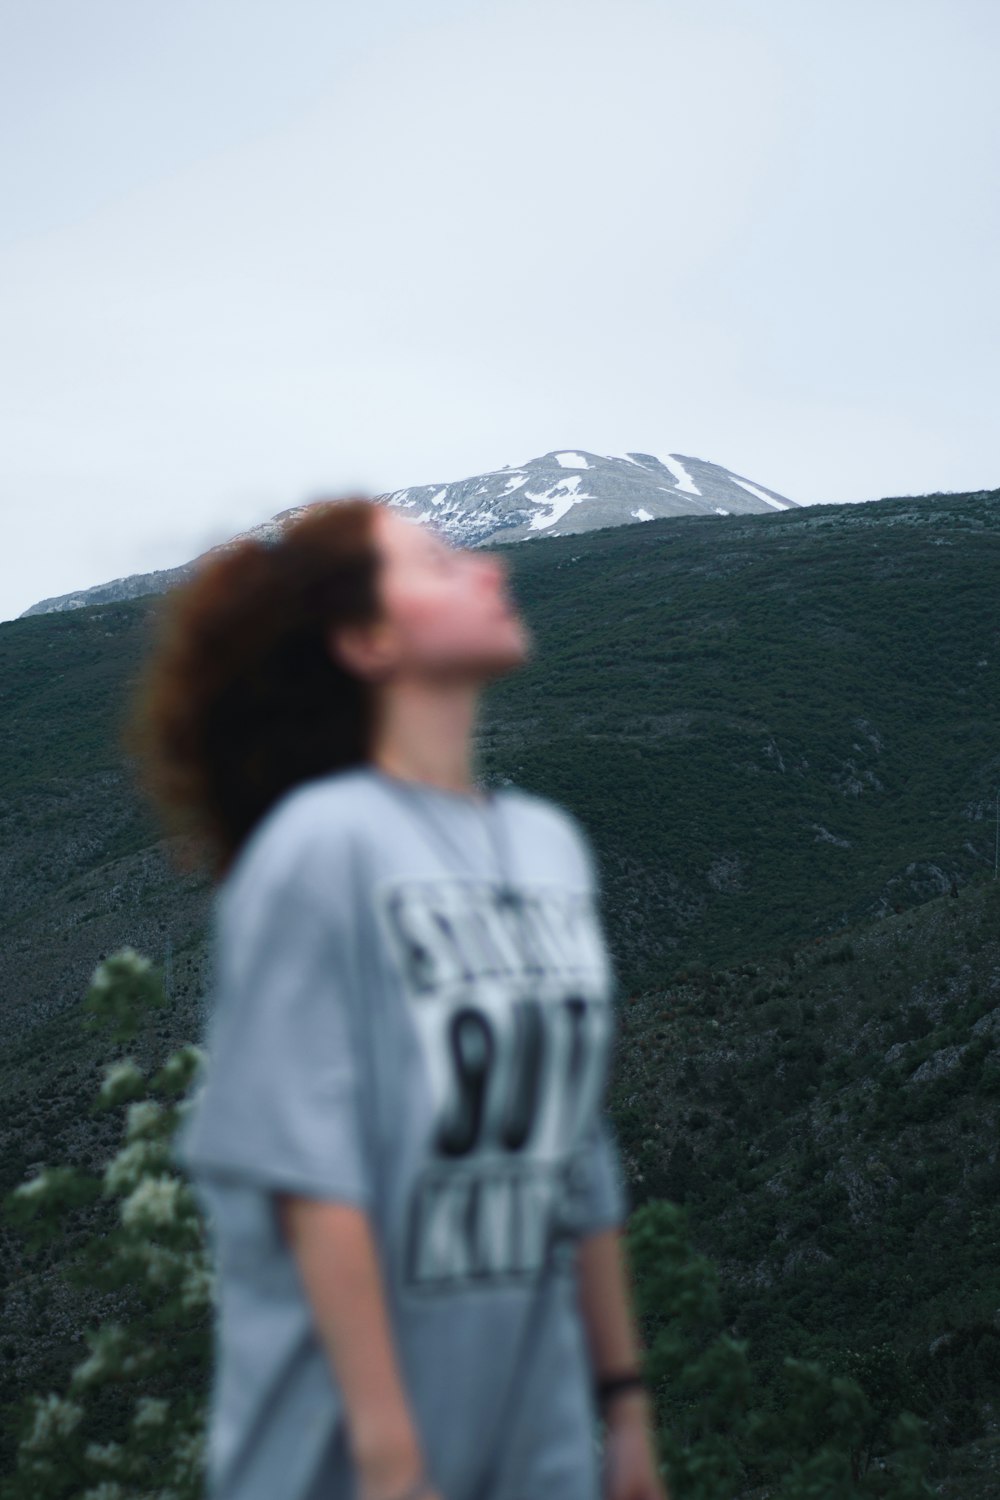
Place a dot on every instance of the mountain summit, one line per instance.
(565, 491)
(571, 490)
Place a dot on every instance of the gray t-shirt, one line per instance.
(391, 1030)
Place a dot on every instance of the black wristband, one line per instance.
(610, 1385)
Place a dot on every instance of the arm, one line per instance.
(632, 1466)
(283, 1110)
(354, 1328)
(609, 1320)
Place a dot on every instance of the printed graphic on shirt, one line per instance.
(509, 990)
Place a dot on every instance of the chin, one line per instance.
(517, 643)
(504, 657)
(495, 653)
(510, 660)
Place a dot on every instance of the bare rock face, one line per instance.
(937, 1064)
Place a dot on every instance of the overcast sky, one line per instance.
(254, 251)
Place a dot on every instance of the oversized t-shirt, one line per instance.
(390, 1027)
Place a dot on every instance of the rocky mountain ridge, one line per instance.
(562, 492)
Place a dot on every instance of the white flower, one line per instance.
(189, 1454)
(153, 1202)
(132, 1163)
(199, 1287)
(104, 1453)
(150, 1411)
(187, 1059)
(35, 1187)
(120, 1080)
(162, 1265)
(134, 1364)
(125, 963)
(54, 1418)
(105, 1349)
(142, 1118)
(186, 1107)
(42, 1468)
(131, 961)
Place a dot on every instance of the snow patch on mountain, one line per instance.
(753, 490)
(560, 497)
(677, 469)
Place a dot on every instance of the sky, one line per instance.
(255, 253)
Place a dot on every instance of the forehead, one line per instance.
(403, 537)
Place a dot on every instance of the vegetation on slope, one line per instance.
(783, 735)
(771, 725)
(829, 1119)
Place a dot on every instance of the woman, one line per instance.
(414, 1196)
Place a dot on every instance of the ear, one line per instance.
(359, 649)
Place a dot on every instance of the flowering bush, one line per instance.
(133, 1419)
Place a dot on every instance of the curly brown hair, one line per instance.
(240, 698)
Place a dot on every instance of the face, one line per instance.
(447, 611)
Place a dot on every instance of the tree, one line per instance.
(719, 1435)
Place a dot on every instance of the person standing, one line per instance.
(414, 1193)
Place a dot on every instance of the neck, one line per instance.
(424, 732)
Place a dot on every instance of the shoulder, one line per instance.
(552, 820)
(310, 833)
(544, 810)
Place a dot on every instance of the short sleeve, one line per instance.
(604, 1199)
(281, 1104)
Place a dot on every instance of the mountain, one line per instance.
(563, 492)
(571, 491)
(772, 725)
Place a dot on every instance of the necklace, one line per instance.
(413, 793)
(508, 894)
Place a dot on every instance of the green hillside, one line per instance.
(782, 732)
(772, 726)
(830, 1120)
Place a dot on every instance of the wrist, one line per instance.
(626, 1409)
(621, 1396)
(388, 1457)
